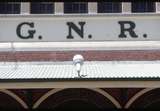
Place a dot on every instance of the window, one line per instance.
(109, 7)
(143, 7)
(75, 7)
(42, 7)
(9, 8)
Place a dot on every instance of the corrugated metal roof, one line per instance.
(66, 70)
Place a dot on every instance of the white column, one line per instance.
(126, 7)
(25, 7)
(59, 7)
(92, 7)
(157, 7)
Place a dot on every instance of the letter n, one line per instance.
(79, 31)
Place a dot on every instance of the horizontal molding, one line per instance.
(82, 15)
(78, 46)
(80, 84)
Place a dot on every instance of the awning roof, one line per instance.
(95, 70)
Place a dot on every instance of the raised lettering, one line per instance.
(79, 31)
(30, 32)
(130, 29)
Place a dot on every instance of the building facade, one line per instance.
(121, 64)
